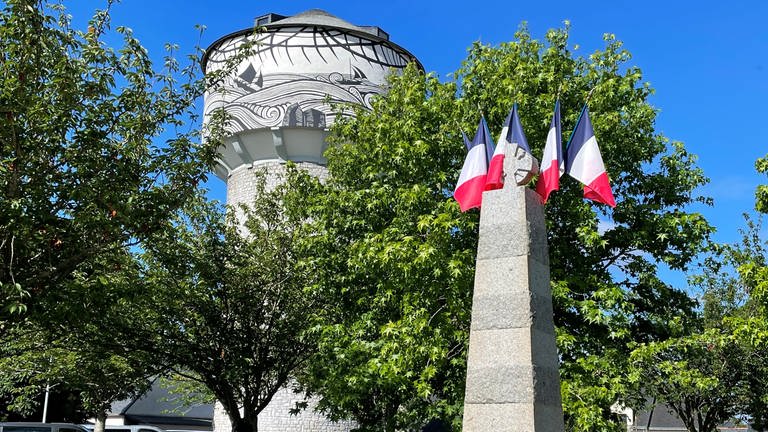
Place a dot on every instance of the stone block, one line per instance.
(512, 223)
(543, 348)
(516, 274)
(537, 227)
(500, 383)
(489, 347)
(513, 383)
(508, 311)
(501, 237)
(512, 292)
(502, 311)
(549, 418)
(547, 384)
(519, 346)
(515, 417)
(502, 275)
(499, 418)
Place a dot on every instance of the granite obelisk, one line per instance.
(513, 382)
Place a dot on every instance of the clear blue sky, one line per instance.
(708, 61)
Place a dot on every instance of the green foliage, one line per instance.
(397, 257)
(185, 392)
(750, 259)
(718, 370)
(761, 194)
(747, 322)
(75, 340)
(696, 376)
(372, 269)
(229, 300)
(94, 158)
(752, 336)
(30, 364)
(394, 250)
(707, 377)
(91, 152)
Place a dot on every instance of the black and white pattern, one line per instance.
(296, 76)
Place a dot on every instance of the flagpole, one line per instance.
(589, 95)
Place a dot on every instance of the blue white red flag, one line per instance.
(467, 143)
(489, 147)
(552, 165)
(584, 162)
(469, 188)
(511, 135)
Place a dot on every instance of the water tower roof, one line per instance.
(322, 18)
(311, 18)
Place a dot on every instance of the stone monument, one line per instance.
(513, 382)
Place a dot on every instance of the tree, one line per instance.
(717, 370)
(753, 265)
(95, 157)
(737, 281)
(745, 322)
(33, 367)
(83, 169)
(82, 342)
(397, 255)
(761, 194)
(697, 376)
(230, 292)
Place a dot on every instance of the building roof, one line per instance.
(160, 406)
(664, 419)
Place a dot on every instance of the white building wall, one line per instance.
(277, 418)
(241, 184)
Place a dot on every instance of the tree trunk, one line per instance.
(101, 422)
(243, 425)
(390, 423)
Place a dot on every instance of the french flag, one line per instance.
(466, 140)
(552, 165)
(489, 147)
(584, 162)
(511, 134)
(469, 188)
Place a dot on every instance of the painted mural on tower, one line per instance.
(296, 74)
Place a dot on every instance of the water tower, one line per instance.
(281, 101)
(281, 97)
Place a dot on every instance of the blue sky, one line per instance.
(707, 61)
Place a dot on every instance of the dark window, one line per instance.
(26, 429)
